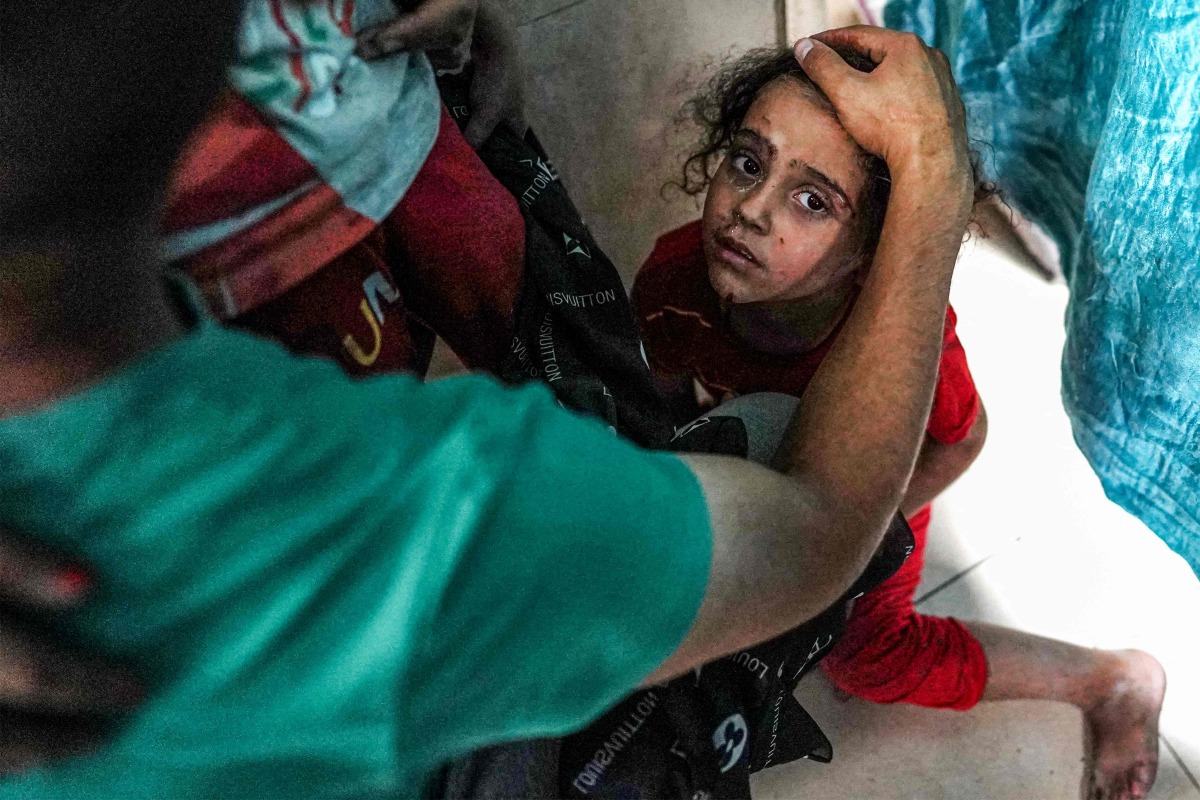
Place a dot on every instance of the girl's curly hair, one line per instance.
(721, 105)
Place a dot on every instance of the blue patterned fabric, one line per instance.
(1092, 112)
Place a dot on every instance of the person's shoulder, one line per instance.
(956, 400)
(951, 329)
(951, 316)
(674, 304)
(482, 404)
(683, 242)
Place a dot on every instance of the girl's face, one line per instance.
(781, 219)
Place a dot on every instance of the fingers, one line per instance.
(482, 125)
(433, 25)
(483, 122)
(517, 120)
(494, 104)
(490, 95)
(33, 576)
(824, 66)
(497, 85)
(44, 689)
(874, 42)
(28, 741)
(37, 677)
(450, 59)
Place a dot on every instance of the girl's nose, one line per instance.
(753, 210)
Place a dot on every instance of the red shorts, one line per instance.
(449, 260)
(892, 654)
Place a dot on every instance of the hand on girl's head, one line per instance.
(907, 108)
(790, 157)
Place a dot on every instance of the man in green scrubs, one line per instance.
(334, 586)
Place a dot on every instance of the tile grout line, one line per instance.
(552, 13)
(950, 581)
(1183, 766)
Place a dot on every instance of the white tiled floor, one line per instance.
(1049, 554)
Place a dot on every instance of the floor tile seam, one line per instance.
(558, 10)
(1182, 764)
(1005, 547)
(952, 580)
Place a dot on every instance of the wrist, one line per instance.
(942, 183)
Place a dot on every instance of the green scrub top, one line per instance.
(334, 586)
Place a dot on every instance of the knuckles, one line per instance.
(911, 41)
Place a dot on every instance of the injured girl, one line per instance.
(748, 298)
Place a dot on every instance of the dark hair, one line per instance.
(722, 103)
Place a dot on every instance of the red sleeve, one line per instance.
(661, 284)
(955, 400)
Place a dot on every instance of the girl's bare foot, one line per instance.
(1120, 693)
(1123, 724)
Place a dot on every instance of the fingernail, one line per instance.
(71, 582)
(802, 49)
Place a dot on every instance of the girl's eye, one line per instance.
(813, 202)
(746, 165)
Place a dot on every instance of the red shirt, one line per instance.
(679, 316)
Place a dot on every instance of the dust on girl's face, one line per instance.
(781, 219)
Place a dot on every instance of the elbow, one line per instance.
(853, 533)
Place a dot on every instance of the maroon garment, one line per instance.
(449, 258)
(890, 653)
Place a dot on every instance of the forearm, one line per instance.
(857, 431)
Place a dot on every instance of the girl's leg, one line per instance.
(449, 259)
(893, 654)
(1119, 692)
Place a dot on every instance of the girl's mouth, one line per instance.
(735, 253)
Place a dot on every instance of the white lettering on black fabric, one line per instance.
(582, 300)
(594, 770)
(546, 348)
